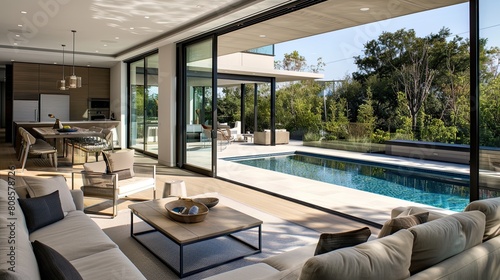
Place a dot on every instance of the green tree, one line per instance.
(366, 115)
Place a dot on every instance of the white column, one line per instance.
(118, 98)
(167, 105)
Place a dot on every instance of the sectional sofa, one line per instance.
(39, 240)
(464, 245)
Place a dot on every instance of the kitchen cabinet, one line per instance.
(25, 80)
(99, 83)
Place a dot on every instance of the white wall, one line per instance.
(118, 98)
(167, 105)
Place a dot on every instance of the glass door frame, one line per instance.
(129, 107)
(182, 94)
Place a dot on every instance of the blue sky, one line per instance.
(338, 48)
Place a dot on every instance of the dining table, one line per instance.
(59, 137)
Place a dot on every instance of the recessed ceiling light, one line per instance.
(262, 36)
(15, 44)
(131, 28)
(17, 35)
(24, 12)
(55, 62)
(105, 45)
(364, 9)
(116, 38)
(96, 51)
(19, 25)
(146, 16)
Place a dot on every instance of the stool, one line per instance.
(175, 188)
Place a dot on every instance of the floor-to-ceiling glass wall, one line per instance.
(143, 100)
(489, 99)
(199, 105)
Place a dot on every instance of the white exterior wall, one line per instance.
(262, 62)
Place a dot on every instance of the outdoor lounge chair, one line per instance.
(224, 137)
(264, 137)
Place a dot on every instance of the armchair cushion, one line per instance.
(41, 211)
(117, 161)
(38, 186)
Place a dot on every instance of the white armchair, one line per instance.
(116, 178)
(236, 130)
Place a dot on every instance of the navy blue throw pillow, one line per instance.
(53, 265)
(41, 211)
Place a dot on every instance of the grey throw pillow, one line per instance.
(333, 241)
(403, 222)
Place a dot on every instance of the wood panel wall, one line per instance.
(30, 79)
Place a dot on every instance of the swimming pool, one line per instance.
(439, 189)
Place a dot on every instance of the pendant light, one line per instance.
(73, 81)
(61, 84)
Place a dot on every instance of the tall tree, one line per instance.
(415, 78)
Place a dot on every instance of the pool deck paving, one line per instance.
(371, 207)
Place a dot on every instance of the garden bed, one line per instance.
(347, 146)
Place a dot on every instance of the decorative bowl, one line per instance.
(67, 130)
(173, 208)
(208, 201)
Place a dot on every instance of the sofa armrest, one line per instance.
(77, 198)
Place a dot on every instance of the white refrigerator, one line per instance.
(56, 104)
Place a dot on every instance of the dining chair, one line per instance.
(33, 146)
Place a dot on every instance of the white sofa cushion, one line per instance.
(440, 239)
(74, 237)
(386, 258)
(108, 264)
(40, 186)
(253, 271)
(292, 258)
(491, 208)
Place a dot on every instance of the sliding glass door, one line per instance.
(143, 100)
(199, 106)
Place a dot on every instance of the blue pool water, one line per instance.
(443, 190)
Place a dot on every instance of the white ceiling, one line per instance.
(109, 31)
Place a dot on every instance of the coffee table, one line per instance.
(221, 222)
